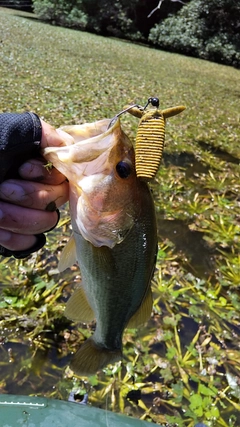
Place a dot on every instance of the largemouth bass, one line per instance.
(114, 238)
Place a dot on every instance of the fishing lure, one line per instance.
(150, 135)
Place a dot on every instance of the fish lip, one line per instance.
(103, 131)
(109, 129)
(101, 134)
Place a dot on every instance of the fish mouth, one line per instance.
(86, 132)
(89, 141)
(100, 201)
(85, 162)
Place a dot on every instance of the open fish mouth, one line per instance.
(90, 140)
(100, 167)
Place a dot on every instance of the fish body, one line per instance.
(114, 239)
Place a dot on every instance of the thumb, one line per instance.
(52, 137)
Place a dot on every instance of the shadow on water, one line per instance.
(199, 257)
(194, 166)
(217, 152)
(187, 161)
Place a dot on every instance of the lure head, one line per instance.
(152, 100)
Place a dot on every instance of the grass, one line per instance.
(183, 367)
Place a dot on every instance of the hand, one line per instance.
(28, 205)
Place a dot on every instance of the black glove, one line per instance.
(20, 137)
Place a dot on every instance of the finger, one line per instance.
(52, 137)
(18, 219)
(38, 170)
(34, 194)
(16, 242)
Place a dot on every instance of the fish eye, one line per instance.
(123, 169)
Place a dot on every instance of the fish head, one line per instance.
(100, 168)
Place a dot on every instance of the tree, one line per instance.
(122, 18)
(147, 13)
(61, 12)
(111, 17)
(207, 29)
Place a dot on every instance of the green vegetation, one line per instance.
(183, 367)
(206, 29)
(66, 14)
(121, 18)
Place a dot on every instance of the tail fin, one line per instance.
(90, 358)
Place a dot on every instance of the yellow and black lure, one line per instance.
(150, 135)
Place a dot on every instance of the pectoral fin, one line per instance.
(143, 314)
(68, 256)
(78, 308)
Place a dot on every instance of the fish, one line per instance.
(114, 238)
